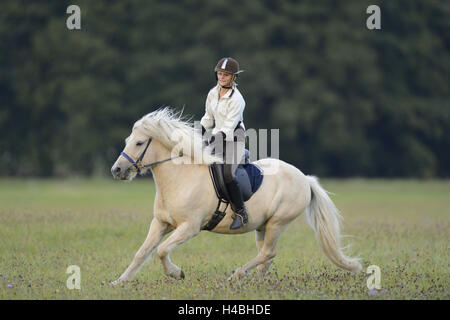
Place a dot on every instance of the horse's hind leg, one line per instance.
(259, 237)
(181, 234)
(263, 267)
(155, 234)
(267, 251)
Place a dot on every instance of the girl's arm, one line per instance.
(207, 120)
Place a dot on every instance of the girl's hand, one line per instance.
(219, 136)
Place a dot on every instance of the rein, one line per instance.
(137, 165)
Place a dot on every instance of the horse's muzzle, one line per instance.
(120, 173)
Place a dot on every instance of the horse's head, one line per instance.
(134, 156)
(158, 137)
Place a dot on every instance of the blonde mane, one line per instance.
(168, 127)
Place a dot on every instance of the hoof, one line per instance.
(182, 275)
(117, 283)
(231, 277)
(238, 274)
(114, 283)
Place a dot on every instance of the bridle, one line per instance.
(137, 163)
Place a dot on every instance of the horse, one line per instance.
(185, 198)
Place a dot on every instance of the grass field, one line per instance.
(47, 225)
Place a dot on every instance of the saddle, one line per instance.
(249, 178)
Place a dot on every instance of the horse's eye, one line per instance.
(139, 144)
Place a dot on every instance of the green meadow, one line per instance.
(401, 226)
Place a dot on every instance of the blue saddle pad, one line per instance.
(255, 176)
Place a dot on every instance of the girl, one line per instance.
(224, 115)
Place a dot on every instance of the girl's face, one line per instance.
(224, 78)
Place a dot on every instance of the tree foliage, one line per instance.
(348, 101)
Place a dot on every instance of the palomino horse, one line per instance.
(185, 198)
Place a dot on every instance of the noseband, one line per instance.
(136, 163)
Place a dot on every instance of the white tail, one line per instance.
(325, 219)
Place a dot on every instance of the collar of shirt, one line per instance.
(228, 94)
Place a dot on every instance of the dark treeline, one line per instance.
(348, 101)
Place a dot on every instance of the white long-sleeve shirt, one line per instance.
(226, 112)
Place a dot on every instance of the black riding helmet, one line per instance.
(228, 65)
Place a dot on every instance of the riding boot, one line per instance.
(237, 204)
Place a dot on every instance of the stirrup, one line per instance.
(239, 219)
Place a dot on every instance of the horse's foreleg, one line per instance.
(157, 231)
(181, 234)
